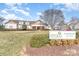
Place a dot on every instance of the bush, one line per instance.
(24, 27)
(52, 42)
(76, 41)
(64, 42)
(55, 42)
(2, 27)
(58, 42)
(77, 35)
(71, 42)
(39, 40)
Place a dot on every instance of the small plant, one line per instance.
(2, 27)
(77, 35)
(39, 40)
(70, 42)
(64, 42)
(58, 42)
(24, 27)
(52, 42)
(76, 41)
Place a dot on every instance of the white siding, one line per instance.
(20, 26)
(11, 26)
(37, 25)
(27, 23)
(20, 22)
(29, 27)
(77, 26)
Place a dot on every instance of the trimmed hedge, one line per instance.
(39, 40)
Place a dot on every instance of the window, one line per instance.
(27, 23)
(11, 26)
(20, 22)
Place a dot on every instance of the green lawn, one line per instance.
(11, 42)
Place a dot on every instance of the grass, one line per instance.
(11, 42)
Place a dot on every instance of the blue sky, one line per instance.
(31, 11)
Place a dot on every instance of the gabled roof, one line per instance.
(39, 22)
(73, 21)
(15, 21)
(30, 22)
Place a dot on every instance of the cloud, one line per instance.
(28, 9)
(39, 13)
(12, 11)
(67, 7)
(10, 4)
(8, 15)
(72, 6)
(13, 16)
(23, 12)
(4, 11)
(13, 4)
(56, 4)
(20, 10)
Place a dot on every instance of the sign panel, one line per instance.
(62, 34)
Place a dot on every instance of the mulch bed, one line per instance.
(52, 51)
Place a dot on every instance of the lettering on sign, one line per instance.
(62, 34)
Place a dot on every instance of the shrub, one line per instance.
(2, 27)
(39, 40)
(58, 42)
(55, 42)
(64, 42)
(52, 42)
(70, 42)
(77, 35)
(24, 27)
(76, 41)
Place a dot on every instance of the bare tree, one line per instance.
(73, 22)
(53, 17)
(1, 23)
(1, 20)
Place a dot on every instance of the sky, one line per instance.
(32, 11)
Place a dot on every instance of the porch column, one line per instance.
(41, 28)
(36, 27)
